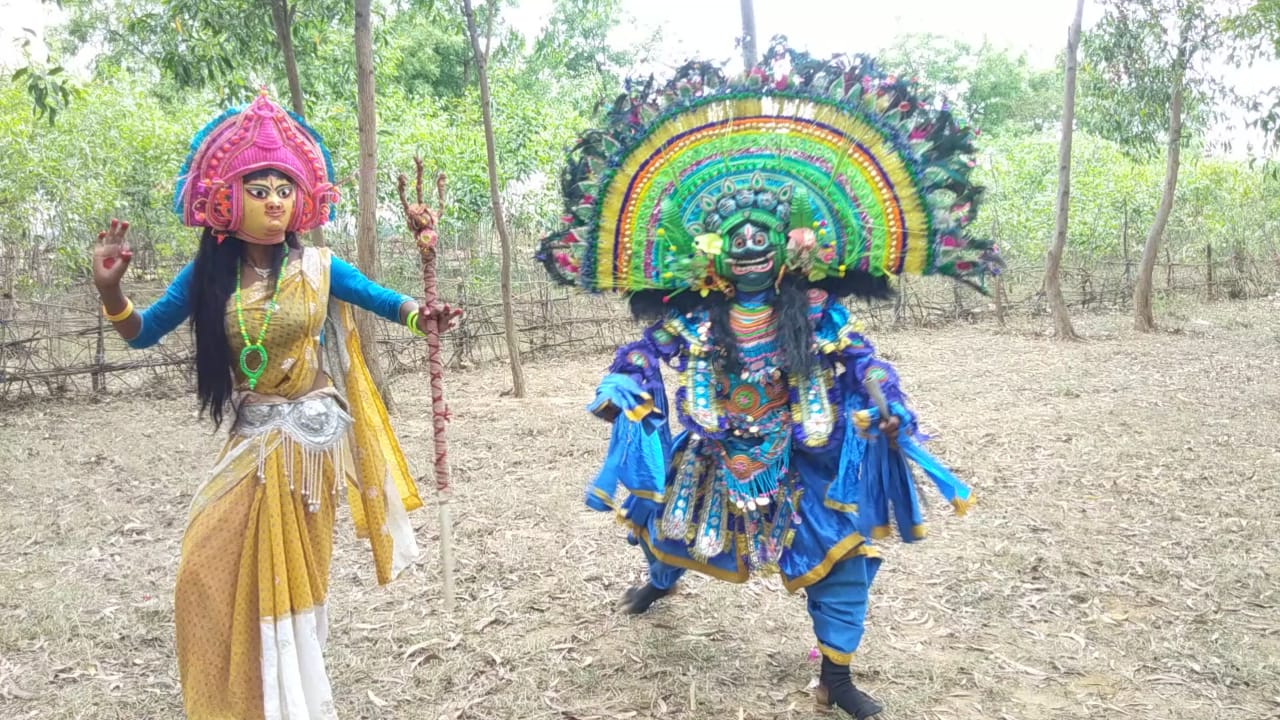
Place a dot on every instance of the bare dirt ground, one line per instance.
(1123, 561)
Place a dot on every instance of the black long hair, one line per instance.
(795, 334)
(213, 281)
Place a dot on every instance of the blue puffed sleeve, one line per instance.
(839, 340)
(874, 476)
(633, 396)
(349, 285)
(166, 313)
(877, 479)
(639, 446)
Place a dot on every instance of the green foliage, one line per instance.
(1223, 203)
(117, 151)
(59, 184)
(1257, 36)
(1007, 94)
(50, 88)
(1259, 27)
(423, 53)
(575, 44)
(224, 47)
(447, 133)
(995, 89)
(1136, 55)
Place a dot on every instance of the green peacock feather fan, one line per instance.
(854, 167)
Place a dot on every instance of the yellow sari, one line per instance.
(250, 601)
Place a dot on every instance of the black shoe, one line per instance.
(835, 687)
(638, 599)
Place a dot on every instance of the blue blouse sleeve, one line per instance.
(350, 285)
(874, 477)
(632, 394)
(166, 313)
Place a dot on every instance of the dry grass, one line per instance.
(1122, 561)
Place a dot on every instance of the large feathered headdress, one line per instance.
(855, 168)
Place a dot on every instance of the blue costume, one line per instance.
(346, 283)
(765, 474)
(736, 214)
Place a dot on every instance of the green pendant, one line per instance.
(255, 373)
(257, 348)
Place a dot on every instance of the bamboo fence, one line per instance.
(54, 341)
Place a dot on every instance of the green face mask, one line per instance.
(750, 260)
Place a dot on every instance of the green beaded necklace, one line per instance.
(257, 348)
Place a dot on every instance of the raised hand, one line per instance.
(111, 255)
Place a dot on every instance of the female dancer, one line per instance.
(275, 347)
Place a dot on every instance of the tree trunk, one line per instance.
(100, 356)
(750, 56)
(1143, 319)
(1062, 328)
(1000, 313)
(282, 19)
(1208, 269)
(499, 217)
(367, 194)
(1124, 240)
(284, 36)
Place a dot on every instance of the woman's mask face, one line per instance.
(268, 205)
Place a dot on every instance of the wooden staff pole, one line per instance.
(422, 222)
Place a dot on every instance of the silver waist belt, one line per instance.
(317, 422)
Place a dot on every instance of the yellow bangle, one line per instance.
(122, 315)
(412, 323)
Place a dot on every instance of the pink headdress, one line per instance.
(244, 140)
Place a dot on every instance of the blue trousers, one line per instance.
(837, 603)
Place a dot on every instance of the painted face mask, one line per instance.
(750, 260)
(268, 206)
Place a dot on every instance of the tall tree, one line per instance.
(1149, 67)
(1143, 316)
(1062, 328)
(481, 55)
(282, 22)
(367, 224)
(750, 56)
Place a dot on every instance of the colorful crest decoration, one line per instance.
(853, 171)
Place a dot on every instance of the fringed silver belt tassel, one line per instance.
(311, 428)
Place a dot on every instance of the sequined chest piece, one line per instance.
(756, 403)
(756, 400)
